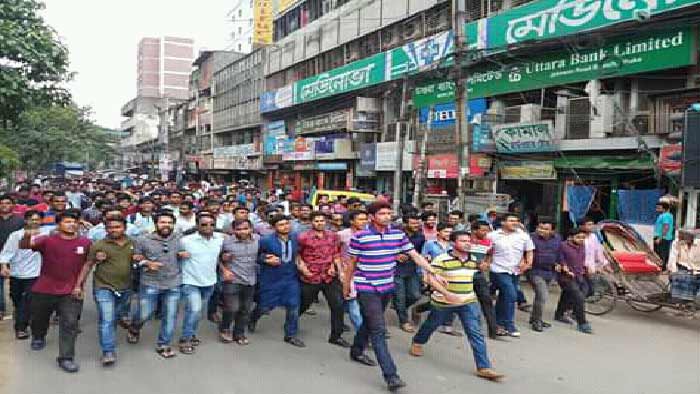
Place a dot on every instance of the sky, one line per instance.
(102, 38)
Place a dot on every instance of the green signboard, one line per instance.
(421, 55)
(434, 93)
(352, 76)
(547, 19)
(643, 53)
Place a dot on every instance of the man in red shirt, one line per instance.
(319, 264)
(63, 255)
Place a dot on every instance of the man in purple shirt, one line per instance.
(572, 280)
(546, 256)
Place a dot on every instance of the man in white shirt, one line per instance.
(186, 219)
(512, 256)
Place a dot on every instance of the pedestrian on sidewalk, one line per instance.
(572, 280)
(546, 257)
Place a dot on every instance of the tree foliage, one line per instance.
(33, 62)
(45, 135)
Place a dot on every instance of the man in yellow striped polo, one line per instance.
(456, 297)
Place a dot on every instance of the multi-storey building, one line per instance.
(564, 100)
(242, 21)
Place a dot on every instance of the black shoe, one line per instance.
(546, 325)
(252, 325)
(564, 320)
(525, 307)
(68, 365)
(364, 359)
(536, 326)
(340, 342)
(294, 341)
(38, 344)
(394, 383)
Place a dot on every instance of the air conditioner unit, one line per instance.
(603, 116)
(530, 113)
(438, 22)
(352, 51)
(412, 29)
(391, 37)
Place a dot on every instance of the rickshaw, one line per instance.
(633, 274)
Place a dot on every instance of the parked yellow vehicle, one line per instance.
(366, 198)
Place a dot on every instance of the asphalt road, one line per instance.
(630, 353)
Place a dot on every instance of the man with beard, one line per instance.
(59, 203)
(112, 259)
(279, 280)
(63, 256)
(303, 223)
(9, 223)
(161, 276)
(319, 263)
(406, 279)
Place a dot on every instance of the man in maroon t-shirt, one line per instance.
(63, 255)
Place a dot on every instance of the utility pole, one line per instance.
(420, 174)
(462, 132)
(399, 149)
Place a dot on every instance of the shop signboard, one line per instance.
(482, 136)
(527, 169)
(671, 159)
(479, 164)
(421, 55)
(386, 156)
(277, 99)
(236, 150)
(368, 158)
(330, 121)
(434, 93)
(549, 19)
(332, 166)
(296, 149)
(525, 137)
(356, 75)
(442, 166)
(262, 19)
(622, 56)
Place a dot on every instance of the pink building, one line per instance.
(164, 66)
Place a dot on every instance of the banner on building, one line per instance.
(479, 164)
(330, 121)
(386, 156)
(482, 135)
(640, 53)
(352, 76)
(421, 55)
(368, 158)
(277, 99)
(671, 159)
(236, 150)
(548, 19)
(442, 166)
(262, 19)
(434, 93)
(296, 149)
(527, 169)
(525, 137)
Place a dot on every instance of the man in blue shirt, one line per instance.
(406, 279)
(546, 256)
(663, 232)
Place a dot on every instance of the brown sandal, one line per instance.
(225, 336)
(165, 352)
(132, 336)
(242, 340)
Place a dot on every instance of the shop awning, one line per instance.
(605, 162)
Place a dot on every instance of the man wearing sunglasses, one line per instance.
(161, 276)
(199, 255)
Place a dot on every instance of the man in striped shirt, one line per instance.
(373, 253)
(457, 297)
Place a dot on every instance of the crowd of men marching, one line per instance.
(233, 256)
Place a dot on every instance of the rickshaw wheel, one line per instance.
(603, 298)
(643, 306)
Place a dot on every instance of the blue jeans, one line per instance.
(507, 285)
(470, 316)
(372, 306)
(195, 298)
(291, 319)
(111, 305)
(353, 309)
(148, 298)
(407, 292)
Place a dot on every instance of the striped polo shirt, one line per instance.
(376, 258)
(459, 275)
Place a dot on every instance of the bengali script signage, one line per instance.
(434, 93)
(331, 121)
(353, 76)
(277, 99)
(526, 169)
(442, 166)
(262, 15)
(235, 150)
(547, 19)
(524, 138)
(643, 53)
(421, 55)
(298, 149)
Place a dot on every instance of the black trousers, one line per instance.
(572, 297)
(68, 309)
(482, 288)
(663, 249)
(238, 300)
(21, 295)
(333, 292)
